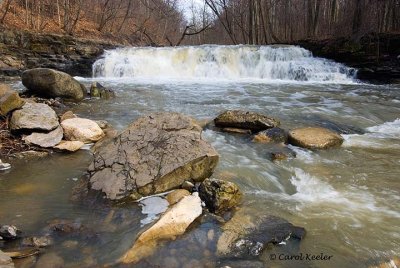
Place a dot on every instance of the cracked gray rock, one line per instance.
(156, 153)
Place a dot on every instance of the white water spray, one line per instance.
(265, 63)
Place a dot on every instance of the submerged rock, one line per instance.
(51, 83)
(172, 224)
(9, 100)
(81, 129)
(29, 155)
(70, 146)
(275, 135)
(39, 242)
(20, 253)
(34, 116)
(248, 233)
(314, 138)
(156, 153)
(50, 260)
(219, 195)
(245, 120)
(45, 139)
(5, 260)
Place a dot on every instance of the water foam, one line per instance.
(386, 135)
(265, 63)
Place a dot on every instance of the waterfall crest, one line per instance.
(288, 63)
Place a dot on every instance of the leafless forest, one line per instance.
(161, 22)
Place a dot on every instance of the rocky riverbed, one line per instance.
(166, 188)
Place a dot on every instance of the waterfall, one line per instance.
(287, 63)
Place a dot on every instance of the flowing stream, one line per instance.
(346, 198)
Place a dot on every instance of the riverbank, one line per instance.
(376, 56)
(22, 50)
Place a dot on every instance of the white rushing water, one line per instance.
(256, 63)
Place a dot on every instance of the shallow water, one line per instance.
(346, 198)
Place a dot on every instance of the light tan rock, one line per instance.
(71, 146)
(314, 138)
(172, 224)
(45, 140)
(67, 115)
(81, 129)
(175, 196)
(34, 116)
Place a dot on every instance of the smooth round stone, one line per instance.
(314, 138)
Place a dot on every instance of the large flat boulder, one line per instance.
(34, 116)
(156, 153)
(9, 100)
(51, 83)
(245, 120)
(314, 138)
(82, 129)
(45, 139)
(172, 224)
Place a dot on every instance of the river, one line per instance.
(346, 198)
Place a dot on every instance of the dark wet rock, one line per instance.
(314, 138)
(39, 242)
(282, 154)
(61, 226)
(187, 185)
(97, 90)
(5, 261)
(236, 130)
(275, 135)
(219, 195)
(45, 139)
(245, 120)
(51, 83)
(67, 115)
(82, 129)
(247, 235)
(34, 116)
(156, 153)
(9, 100)
(9, 232)
(50, 260)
